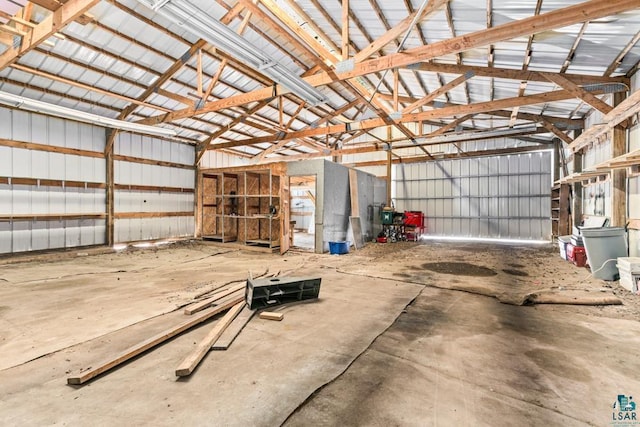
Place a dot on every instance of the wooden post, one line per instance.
(557, 146)
(577, 186)
(110, 235)
(618, 176)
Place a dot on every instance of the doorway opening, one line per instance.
(303, 212)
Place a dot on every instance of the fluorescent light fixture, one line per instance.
(197, 22)
(69, 113)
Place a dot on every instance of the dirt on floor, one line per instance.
(409, 333)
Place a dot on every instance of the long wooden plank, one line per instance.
(234, 329)
(191, 361)
(199, 306)
(149, 343)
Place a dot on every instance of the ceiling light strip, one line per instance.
(29, 104)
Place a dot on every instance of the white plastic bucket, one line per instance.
(604, 246)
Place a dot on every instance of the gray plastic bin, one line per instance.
(604, 244)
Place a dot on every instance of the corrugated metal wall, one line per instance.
(130, 173)
(25, 235)
(77, 182)
(506, 197)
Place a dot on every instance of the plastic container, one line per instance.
(629, 268)
(338, 248)
(563, 241)
(604, 246)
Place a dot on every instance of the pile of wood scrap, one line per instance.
(229, 299)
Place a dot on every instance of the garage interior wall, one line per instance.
(53, 186)
(153, 201)
(58, 175)
(503, 197)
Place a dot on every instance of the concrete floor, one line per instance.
(389, 342)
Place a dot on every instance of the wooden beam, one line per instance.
(50, 148)
(618, 176)
(627, 108)
(51, 5)
(557, 132)
(110, 194)
(208, 302)
(353, 192)
(450, 126)
(589, 10)
(130, 215)
(398, 30)
(408, 118)
(233, 330)
(345, 29)
(131, 159)
(512, 74)
(438, 92)
(90, 88)
(147, 344)
(579, 92)
(50, 217)
(190, 363)
(612, 67)
(438, 157)
(46, 28)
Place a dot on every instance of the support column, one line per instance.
(557, 146)
(110, 238)
(576, 208)
(618, 176)
(389, 163)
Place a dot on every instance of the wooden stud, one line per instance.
(234, 329)
(110, 198)
(618, 176)
(149, 343)
(188, 365)
(199, 306)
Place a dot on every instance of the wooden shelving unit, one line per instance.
(560, 218)
(242, 207)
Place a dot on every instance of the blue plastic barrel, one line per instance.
(338, 248)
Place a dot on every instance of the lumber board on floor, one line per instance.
(199, 306)
(271, 315)
(234, 329)
(192, 360)
(149, 343)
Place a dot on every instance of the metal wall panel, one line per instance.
(17, 236)
(133, 173)
(504, 197)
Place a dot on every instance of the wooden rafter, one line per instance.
(416, 117)
(590, 10)
(557, 132)
(611, 68)
(525, 65)
(442, 90)
(46, 28)
(579, 92)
